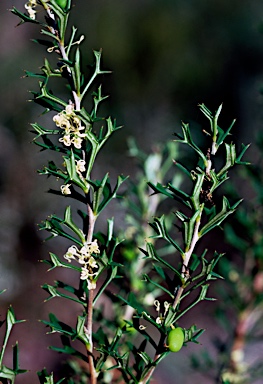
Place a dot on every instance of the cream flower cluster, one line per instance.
(71, 124)
(87, 261)
(30, 7)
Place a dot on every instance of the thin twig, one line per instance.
(93, 373)
(74, 94)
(187, 257)
(65, 57)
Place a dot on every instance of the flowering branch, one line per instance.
(92, 255)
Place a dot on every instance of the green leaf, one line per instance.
(68, 349)
(220, 217)
(189, 227)
(56, 262)
(97, 99)
(109, 194)
(53, 225)
(81, 330)
(112, 273)
(154, 283)
(76, 72)
(187, 139)
(54, 292)
(230, 159)
(97, 72)
(152, 253)
(146, 358)
(159, 188)
(45, 378)
(58, 326)
(160, 228)
(7, 373)
(243, 150)
(23, 16)
(70, 224)
(10, 322)
(197, 190)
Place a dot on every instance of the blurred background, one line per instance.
(166, 56)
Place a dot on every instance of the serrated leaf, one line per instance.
(76, 72)
(68, 349)
(56, 262)
(58, 326)
(160, 228)
(197, 190)
(148, 279)
(220, 217)
(146, 358)
(23, 16)
(112, 273)
(54, 292)
(187, 139)
(152, 253)
(70, 224)
(81, 330)
(189, 227)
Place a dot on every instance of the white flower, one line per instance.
(76, 141)
(89, 248)
(29, 6)
(80, 166)
(85, 250)
(92, 262)
(82, 259)
(85, 274)
(71, 253)
(166, 307)
(156, 303)
(94, 248)
(77, 123)
(62, 121)
(65, 140)
(65, 189)
(69, 109)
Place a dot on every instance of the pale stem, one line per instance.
(65, 57)
(187, 257)
(92, 219)
(93, 373)
(75, 96)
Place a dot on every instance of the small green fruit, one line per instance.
(62, 3)
(175, 339)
